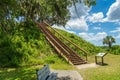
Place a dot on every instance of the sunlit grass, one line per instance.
(107, 72)
(111, 71)
(62, 67)
(28, 73)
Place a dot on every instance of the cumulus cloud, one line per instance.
(116, 30)
(97, 28)
(112, 15)
(78, 24)
(92, 36)
(62, 28)
(82, 10)
(96, 17)
(118, 36)
(113, 12)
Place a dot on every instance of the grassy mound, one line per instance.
(28, 46)
(87, 46)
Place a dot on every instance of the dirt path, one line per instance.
(67, 75)
(72, 74)
(84, 66)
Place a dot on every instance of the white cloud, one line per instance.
(118, 36)
(113, 12)
(115, 31)
(78, 24)
(96, 17)
(92, 36)
(73, 32)
(62, 28)
(97, 28)
(82, 10)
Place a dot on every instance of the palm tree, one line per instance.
(108, 40)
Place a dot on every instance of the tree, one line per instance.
(108, 40)
(52, 11)
(17, 19)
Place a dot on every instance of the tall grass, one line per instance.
(27, 46)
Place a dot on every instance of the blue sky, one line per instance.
(96, 22)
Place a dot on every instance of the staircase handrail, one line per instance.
(85, 53)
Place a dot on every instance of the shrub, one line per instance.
(115, 50)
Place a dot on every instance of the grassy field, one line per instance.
(107, 72)
(28, 73)
(111, 71)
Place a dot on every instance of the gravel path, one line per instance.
(67, 75)
(72, 74)
(84, 66)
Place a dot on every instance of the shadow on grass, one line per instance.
(102, 64)
(18, 74)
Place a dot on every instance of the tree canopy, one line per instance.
(108, 40)
(20, 39)
(52, 11)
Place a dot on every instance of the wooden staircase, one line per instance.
(71, 56)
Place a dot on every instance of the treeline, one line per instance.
(115, 49)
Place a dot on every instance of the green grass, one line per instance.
(28, 73)
(107, 72)
(36, 50)
(87, 46)
(18, 74)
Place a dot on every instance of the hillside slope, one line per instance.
(87, 46)
(30, 47)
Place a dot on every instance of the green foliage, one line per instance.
(27, 46)
(23, 47)
(52, 11)
(18, 73)
(52, 59)
(87, 46)
(115, 50)
(108, 40)
(28, 73)
(107, 72)
(21, 42)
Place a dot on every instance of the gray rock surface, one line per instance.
(67, 75)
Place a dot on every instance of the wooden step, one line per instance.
(70, 54)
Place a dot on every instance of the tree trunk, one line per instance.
(110, 44)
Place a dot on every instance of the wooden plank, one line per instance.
(43, 69)
(52, 76)
(43, 73)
